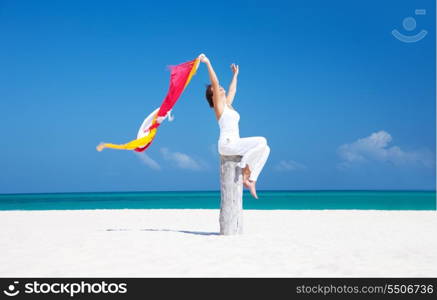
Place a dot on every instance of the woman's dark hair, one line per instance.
(208, 95)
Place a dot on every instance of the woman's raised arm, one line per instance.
(212, 76)
(233, 86)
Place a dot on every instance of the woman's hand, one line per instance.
(203, 58)
(235, 69)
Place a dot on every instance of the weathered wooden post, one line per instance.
(231, 190)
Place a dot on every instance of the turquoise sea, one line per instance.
(381, 200)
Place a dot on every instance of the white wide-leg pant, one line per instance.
(254, 150)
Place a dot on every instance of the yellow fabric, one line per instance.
(139, 143)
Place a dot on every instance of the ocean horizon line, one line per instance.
(268, 199)
(217, 191)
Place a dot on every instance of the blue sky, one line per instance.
(341, 101)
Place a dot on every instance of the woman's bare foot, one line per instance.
(252, 188)
(246, 180)
(246, 174)
(246, 183)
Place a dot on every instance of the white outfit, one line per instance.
(254, 150)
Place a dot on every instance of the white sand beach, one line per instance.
(185, 243)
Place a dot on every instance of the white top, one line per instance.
(228, 123)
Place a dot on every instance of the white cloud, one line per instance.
(375, 148)
(182, 160)
(289, 165)
(147, 160)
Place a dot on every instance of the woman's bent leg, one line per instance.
(260, 163)
(253, 150)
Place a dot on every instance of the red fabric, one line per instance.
(144, 148)
(178, 78)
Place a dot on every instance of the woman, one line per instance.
(254, 150)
